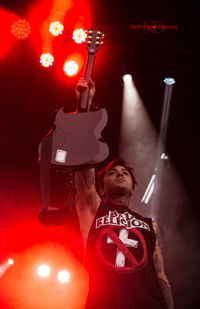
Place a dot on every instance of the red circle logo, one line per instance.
(123, 242)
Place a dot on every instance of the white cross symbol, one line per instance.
(123, 236)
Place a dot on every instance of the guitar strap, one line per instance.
(60, 216)
(45, 171)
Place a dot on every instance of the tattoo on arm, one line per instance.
(159, 268)
(85, 179)
(167, 293)
(87, 196)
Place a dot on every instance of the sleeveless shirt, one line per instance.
(119, 259)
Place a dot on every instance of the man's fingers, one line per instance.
(91, 84)
(82, 84)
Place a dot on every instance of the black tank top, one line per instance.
(119, 259)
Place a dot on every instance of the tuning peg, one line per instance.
(89, 37)
(101, 43)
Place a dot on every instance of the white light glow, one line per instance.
(79, 36)
(63, 276)
(164, 156)
(56, 28)
(5, 266)
(43, 271)
(149, 190)
(127, 78)
(10, 261)
(71, 68)
(169, 80)
(46, 60)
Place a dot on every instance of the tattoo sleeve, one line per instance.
(85, 179)
(159, 268)
(87, 196)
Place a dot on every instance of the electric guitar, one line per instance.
(76, 140)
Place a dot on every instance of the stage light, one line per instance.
(138, 140)
(56, 28)
(164, 156)
(43, 270)
(71, 68)
(169, 80)
(46, 60)
(10, 261)
(63, 276)
(20, 29)
(4, 267)
(150, 188)
(79, 36)
(127, 78)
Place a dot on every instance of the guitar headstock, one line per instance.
(95, 39)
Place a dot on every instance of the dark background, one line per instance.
(30, 94)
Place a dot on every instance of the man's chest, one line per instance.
(119, 241)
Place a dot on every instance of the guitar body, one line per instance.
(77, 138)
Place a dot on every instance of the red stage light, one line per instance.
(20, 29)
(79, 36)
(46, 60)
(71, 68)
(32, 291)
(56, 28)
(7, 39)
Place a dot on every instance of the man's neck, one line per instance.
(118, 200)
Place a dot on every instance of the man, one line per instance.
(123, 256)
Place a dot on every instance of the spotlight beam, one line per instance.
(5, 266)
(161, 147)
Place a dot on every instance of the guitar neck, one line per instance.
(95, 38)
(84, 97)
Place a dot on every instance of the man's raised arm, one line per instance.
(88, 199)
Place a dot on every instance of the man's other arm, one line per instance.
(159, 268)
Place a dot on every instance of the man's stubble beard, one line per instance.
(118, 196)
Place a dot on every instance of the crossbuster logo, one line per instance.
(122, 243)
(125, 219)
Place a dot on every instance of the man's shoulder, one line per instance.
(139, 216)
